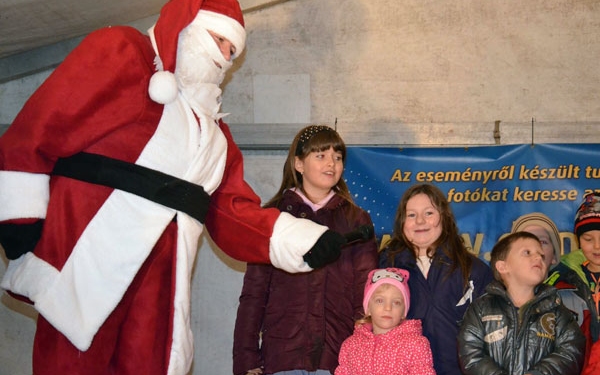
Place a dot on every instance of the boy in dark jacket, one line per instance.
(520, 325)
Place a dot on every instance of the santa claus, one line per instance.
(108, 176)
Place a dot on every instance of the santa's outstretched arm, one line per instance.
(247, 232)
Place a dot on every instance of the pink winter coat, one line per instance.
(402, 351)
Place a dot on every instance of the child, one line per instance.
(297, 322)
(545, 230)
(520, 326)
(444, 276)
(579, 271)
(384, 342)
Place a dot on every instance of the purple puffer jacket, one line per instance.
(303, 319)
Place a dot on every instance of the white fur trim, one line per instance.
(21, 271)
(182, 348)
(24, 195)
(103, 264)
(163, 87)
(201, 161)
(224, 26)
(77, 299)
(291, 239)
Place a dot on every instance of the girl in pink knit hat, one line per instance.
(385, 342)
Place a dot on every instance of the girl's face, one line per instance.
(386, 307)
(590, 245)
(321, 171)
(422, 225)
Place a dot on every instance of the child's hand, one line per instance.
(256, 371)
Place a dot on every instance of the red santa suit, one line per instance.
(110, 275)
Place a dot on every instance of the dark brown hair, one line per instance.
(450, 241)
(320, 138)
(503, 247)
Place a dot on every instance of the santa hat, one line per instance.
(587, 217)
(223, 17)
(393, 276)
(540, 220)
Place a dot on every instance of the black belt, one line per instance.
(147, 183)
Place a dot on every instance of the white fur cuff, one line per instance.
(291, 239)
(24, 195)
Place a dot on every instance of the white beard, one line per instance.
(198, 77)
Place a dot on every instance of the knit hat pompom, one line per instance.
(587, 217)
(163, 87)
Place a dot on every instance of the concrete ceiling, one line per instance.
(26, 25)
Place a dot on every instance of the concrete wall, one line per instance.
(383, 66)
(413, 72)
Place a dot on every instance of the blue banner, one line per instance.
(487, 187)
